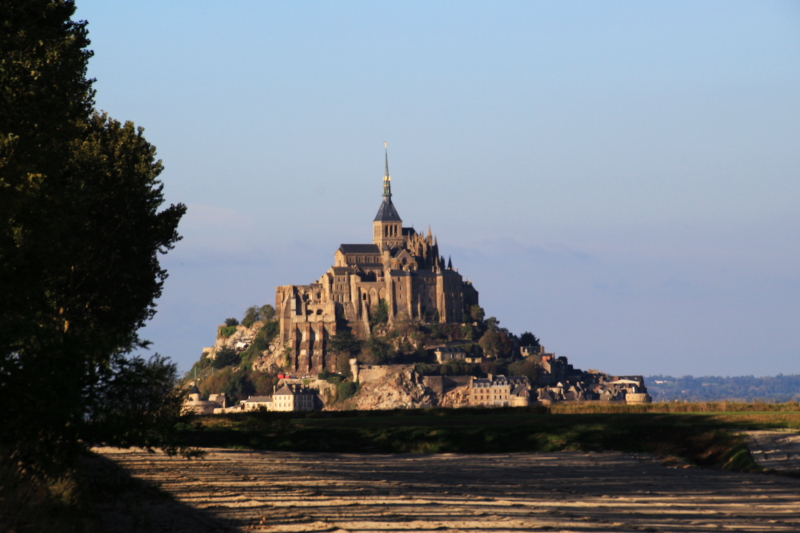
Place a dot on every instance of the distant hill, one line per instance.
(778, 388)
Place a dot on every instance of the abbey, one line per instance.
(401, 267)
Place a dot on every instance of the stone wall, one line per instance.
(443, 384)
(367, 373)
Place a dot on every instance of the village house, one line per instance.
(254, 403)
(290, 397)
(194, 403)
(500, 391)
(446, 353)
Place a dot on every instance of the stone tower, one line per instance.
(387, 226)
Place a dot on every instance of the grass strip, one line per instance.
(708, 439)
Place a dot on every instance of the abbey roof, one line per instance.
(359, 249)
(387, 211)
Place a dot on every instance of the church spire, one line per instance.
(387, 179)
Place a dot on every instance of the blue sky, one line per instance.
(620, 178)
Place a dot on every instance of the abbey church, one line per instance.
(401, 267)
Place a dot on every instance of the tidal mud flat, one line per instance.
(232, 490)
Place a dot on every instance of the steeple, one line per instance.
(387, 179)
(388, 226)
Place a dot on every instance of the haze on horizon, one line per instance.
(620, 178)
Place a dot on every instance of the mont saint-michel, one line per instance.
(400, 273)
(392, 324)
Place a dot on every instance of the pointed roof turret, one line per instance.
(387, 212)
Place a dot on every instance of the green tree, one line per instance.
(377, 351)
(267, 312)
(344, 342)
(230, 322)
(381, 313)
(529, 339)
(250, 316)
(506, 343)
(80, 236)
(490, 343)
(255, 313)
(138, 404)
(226, 357)
(455, 367)
(477, 313)
(526, 367)
(233, 382)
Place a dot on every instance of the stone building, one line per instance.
(194, 404)
(254, 403)
(500, 391)
(290, 397)
(401, 268)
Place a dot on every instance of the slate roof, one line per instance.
(387, 212)
(259, 399)
(360, 249)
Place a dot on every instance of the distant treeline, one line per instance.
(778, 388)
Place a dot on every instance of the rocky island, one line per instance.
(391, 324)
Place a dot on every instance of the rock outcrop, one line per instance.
(458, 397)
(400, 389)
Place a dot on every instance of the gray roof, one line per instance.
(285, 390)
(259, 399)
(387, 212)
(360, 249)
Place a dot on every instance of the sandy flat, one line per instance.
(567, 491)
(776, 450)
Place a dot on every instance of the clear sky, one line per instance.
(620, 178)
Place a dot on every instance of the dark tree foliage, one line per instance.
(377, 351)
(226, 357)
(250, 316)
(266, 312)
(455, 367)
(255, 313)
(80, 235)
(381, 313)
(238, 384)
(437, 332)
(330, 377)
(232, 381)
(231, 322)
(344, 342)
(137, 403)
(526, 367)
(529, 339)
(490, 343)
